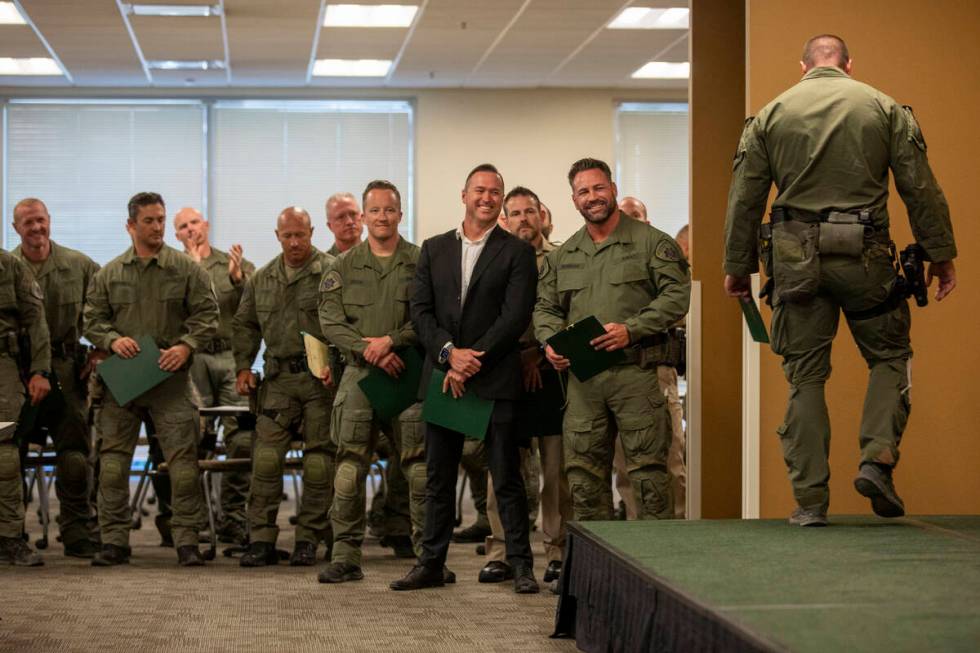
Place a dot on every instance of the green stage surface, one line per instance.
(862, 584)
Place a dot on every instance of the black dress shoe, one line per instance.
(259, 554)
(304, 555)
(400, 544)
(524, 582)
(111, 555)
(474, 534)
(553, 571)
(419, 578)
(189, 555)
(82, 549)
(496, 572)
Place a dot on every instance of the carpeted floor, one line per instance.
(152, 604)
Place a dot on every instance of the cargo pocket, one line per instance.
(795, 261)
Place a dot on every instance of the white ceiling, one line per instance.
(272, 43)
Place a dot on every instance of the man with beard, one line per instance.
(64, 276)
(213, 366)
(522, 218)
(344, 222)
(634, 279)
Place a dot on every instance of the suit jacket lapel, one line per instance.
(456, 256)
(494, 244)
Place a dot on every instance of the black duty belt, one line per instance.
(216, 346)
(295, 364)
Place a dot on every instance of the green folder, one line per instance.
(573, 343)
(128, 378)
(753, 319)
(388, 396)
(468, 415)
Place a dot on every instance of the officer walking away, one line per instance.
(21, 310)
(150, 290)
(278, 304)
(213, 366)
(64, 276)
(828, 143)
(635, 280)
(364, 312)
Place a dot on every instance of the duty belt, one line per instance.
(216, 346)
(864, 217)
(295, 364)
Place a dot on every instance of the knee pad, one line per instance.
(113, 472)
(183, 477)
(315, 470)
(9, 463)
(73, 467)
(268, 465)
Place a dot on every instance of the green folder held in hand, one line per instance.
(468, 415)
(128, 378)
(757, 327)
(572, 342)
(389, 396)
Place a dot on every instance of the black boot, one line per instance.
(259, 554)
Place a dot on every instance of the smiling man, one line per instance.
(151, 290)
(344, 221)
(635, 280)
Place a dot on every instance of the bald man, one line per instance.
(213, 366)
(279, 303)
(344, 221)
(634, 208)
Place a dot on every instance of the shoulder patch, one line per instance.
(668, 251)
(331, 281)
(913, 131)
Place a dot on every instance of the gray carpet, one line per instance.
(151, 604)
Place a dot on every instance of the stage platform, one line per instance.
(861, 584)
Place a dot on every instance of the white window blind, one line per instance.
(267, 155)
(652, 154)
(86, 159)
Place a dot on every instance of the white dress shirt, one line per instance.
(471, 250)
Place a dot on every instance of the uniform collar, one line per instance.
(56, 259)
(312, 266)
(623, 233)
(216, 257)
(361, 255)
(165, 258)
(825, 71)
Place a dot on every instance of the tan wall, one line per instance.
(924, 55)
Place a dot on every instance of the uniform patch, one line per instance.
(331, 281)
(36, 291)
(668, 251)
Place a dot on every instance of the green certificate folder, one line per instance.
(573, 343)
(388, 396)
(757, 327)
(128, 378)
(468, 415)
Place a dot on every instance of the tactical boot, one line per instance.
(17, 552)
(553, 571)
(304, 555)
(259, 554)
(419, 578)
(496, 572)
(162, 523)
(189, 556)
(875, 482)
(401, 544)
(808, 517)
(472, 534)
(232, 532)
(83, 548)
(524, 582)
(111, 555)
(340, 572)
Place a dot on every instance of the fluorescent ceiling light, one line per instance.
(650, 18)
(663, 70)
(369, 15)
(351, 67)
(9, 15)
(173, 10)
(170, 64)
(32, 66)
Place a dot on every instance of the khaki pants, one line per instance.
(555, 505)
(174, 416)
(288, 402)
(355, 430)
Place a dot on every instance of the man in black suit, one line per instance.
(472, 300)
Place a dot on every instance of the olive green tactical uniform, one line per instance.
(64, 278)
(828, 143)
(21, 309)
(213, 374)
(637, 277)
(361, 296)
(292, 401)
(169, 298)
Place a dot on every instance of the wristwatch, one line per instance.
(444, 352)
